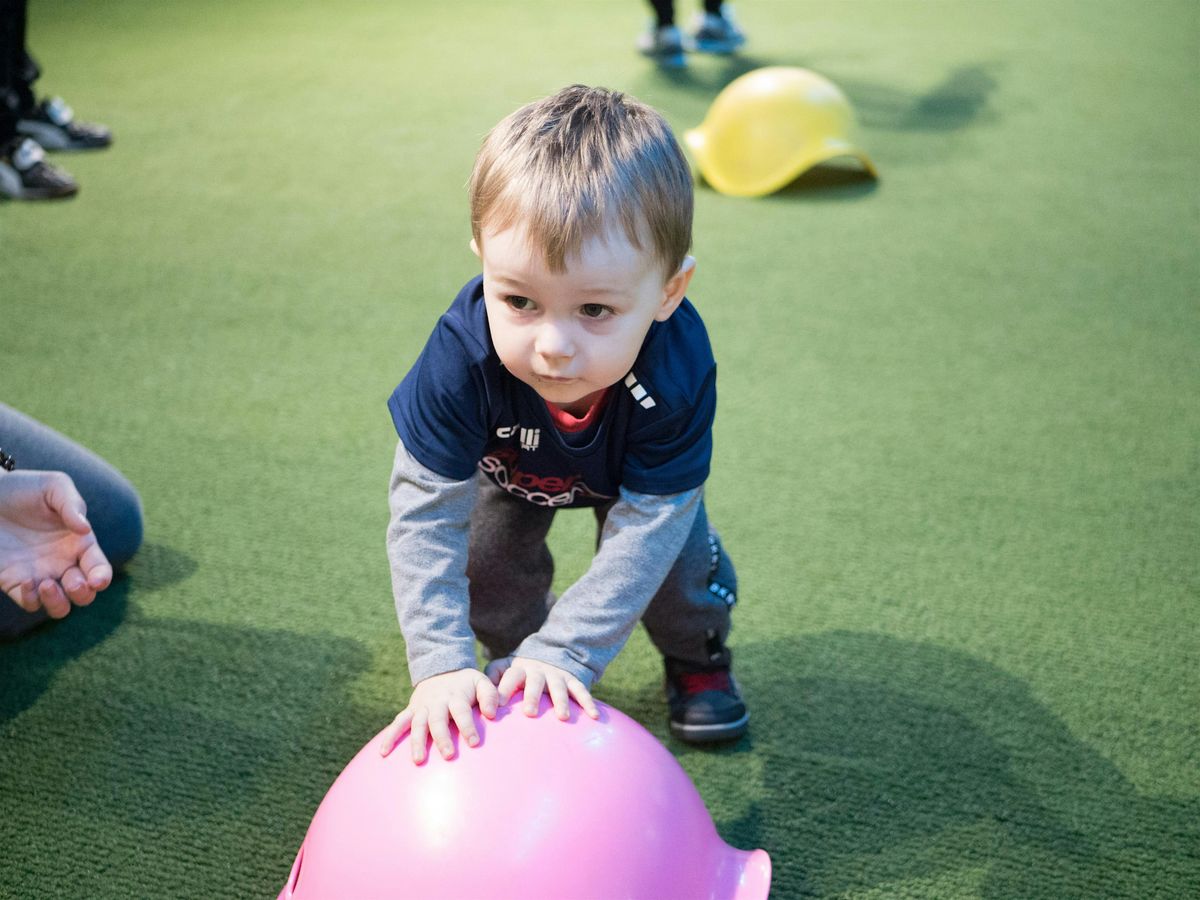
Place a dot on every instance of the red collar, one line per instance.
(571, 424)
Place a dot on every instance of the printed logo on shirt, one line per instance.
(640, 394)
(529, 437)
(542, 490)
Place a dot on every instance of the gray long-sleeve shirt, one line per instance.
(427, 542)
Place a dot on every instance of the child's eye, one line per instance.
(519, 303)
(595, 310)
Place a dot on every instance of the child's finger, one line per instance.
(488, 697)
(439, 731)
(496, 669)
(512, 679)
(419, 729)
(583, 697)
(535, 683)
(393, 733)
(557, 688)
(460, 711)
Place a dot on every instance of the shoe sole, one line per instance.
(667, 60)
(718, 48)
(711, 734)
(41, 195)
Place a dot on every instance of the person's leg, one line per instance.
(688, 620)
(509, 568)
(51, 123)
(717, 32)
(24, 173)
(663, 42)
(664, 12)
(113, 506)
(27, 68)
(12, 54)
(689, 617)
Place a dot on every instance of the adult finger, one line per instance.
(393, 733)
(64, 499)
(460, 711)
(76, 587)
(50, 595)
(583, 697)
(96, 568)
(26, 596)
(439, 730)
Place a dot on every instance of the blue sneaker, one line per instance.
(717, 33)
(664, 46)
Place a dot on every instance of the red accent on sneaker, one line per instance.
(699, 682)
(571, 424)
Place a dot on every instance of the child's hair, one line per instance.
(575, 164)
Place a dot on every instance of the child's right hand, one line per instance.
(433, 703)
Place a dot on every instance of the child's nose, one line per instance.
(553, 341)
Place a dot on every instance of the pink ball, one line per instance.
(541, 809)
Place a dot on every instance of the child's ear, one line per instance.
(675, 288)
(475, 248)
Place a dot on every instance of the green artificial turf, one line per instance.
(956, 454)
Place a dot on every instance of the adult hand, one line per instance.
(433, 703)
(512, 673)
(49, 556)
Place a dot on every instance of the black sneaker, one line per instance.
(52, 124)
(704, 703)
(25, 174)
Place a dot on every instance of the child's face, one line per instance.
(569, 335)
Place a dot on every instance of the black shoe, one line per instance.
(25, 174)
(704, 703)
(52, 124)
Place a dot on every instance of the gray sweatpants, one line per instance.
(113, 506)
(510, 570)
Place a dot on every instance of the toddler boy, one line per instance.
(572, 373)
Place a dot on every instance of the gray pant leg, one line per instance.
(689, 617)
(509, 568)
(113, 506)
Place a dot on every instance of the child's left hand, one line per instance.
(513, 672)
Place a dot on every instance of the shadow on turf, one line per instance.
(29, 663)
(197, 750)
(708, 78)
(960, 100)
(886, 763)
(872, 764)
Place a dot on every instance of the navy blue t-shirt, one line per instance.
(459, 409)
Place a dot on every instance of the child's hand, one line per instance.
(512, 672)
(433, 703)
